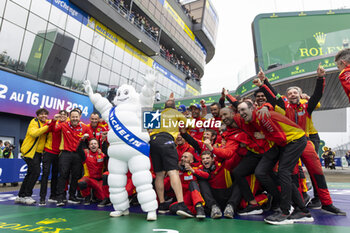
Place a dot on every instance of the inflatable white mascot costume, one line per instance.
(129, 146)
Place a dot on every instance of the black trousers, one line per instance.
(49, 160)
(219, 197)
(246, 167)
(68, 163)
(288, 158)
(33, 173)
(268, 179)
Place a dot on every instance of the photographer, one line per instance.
(7, 152)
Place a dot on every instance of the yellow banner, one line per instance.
(118, 41)
(179, 20)
(192, 90)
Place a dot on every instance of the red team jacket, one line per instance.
(277, 128)
(219, 177)
(93, 164)
(233, 137)
(101, 127)
(53, 141)
(344, 78)
(197, 132)
(71, 135)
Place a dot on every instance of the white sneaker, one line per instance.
(29, 201)
(119, 213)
(152, 216)
(19, 200)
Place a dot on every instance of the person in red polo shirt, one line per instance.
(69, 161)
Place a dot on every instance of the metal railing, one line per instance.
(190, 75)
(131, 17)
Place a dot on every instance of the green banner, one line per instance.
(285, 38)
(187, 102)
(290, 71)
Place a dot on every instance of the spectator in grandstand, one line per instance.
(165, 158)
(32, 149)
(69, 161)
(50, 162)
(157, 96)
(342, 59)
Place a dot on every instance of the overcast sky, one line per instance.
(234, 52)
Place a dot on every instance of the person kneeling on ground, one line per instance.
(93, 162)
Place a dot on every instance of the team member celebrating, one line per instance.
(69, 160)
(32, 149)
(96, 126)
(342, 59)
(93, 163)
(301, 115)
(196, 112)
(182, 146)
(291, 140)
(192, 196)
(50, 160)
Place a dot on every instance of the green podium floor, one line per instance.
(17, 218)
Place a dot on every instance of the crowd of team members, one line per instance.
(251, 164)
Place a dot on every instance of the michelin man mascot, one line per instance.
(129, 148)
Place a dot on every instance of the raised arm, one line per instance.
(193, 142)
(318, 92)
(101, 104)
(222, 98)
(35, 131)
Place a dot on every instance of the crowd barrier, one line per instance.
(13, 170)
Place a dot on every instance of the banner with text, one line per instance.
(23, 96)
